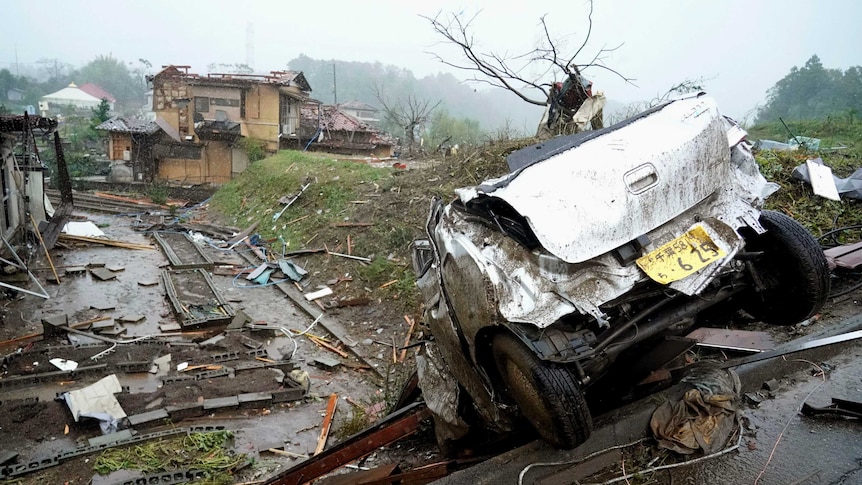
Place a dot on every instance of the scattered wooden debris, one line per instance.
(349, 256)
(412, 322)
(327, 423)
(353, 224)
(326, 291)
(105, 242)
(42, 243)
(388, 284)
(326, 345)
(286, 453)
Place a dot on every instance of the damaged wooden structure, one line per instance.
(23, 203)
(209, 122)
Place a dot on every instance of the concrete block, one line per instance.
(221, 403)
(148, 417)
(111, 438)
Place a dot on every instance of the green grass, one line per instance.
(796, 198)
(254, 195)
(197, 451)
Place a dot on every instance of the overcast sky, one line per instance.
(740, 47)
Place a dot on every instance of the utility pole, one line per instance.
(334, 85)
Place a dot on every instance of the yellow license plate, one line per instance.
(681, 257)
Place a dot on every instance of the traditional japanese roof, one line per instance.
(333, 119)
(118, 124)
(97, 91)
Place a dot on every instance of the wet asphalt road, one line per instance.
(808, 451)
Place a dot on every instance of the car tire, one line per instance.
(793, 270)
(548, 395)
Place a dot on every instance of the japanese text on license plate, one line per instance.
(681, 257)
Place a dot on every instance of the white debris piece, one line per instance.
(326, 291)
(82, 228)
(64, 364)
(97, 401)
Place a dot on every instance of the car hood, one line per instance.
(607, 188)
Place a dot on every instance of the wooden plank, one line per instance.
(386, 431)
(412, 323)
(105, 242)
(331, 325)
(327, 423)
(325, 345)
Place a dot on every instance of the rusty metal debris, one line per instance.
(388, 430)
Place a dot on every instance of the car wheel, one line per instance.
(548, 395)
(793, 270)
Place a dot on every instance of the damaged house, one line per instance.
(21, 173)
(210, 121)
(130, 148)
(23, 202)
(329, 128)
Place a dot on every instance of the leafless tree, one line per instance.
(409, 113)
(534, 71)
(509, 71)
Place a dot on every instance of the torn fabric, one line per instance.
(706, 418)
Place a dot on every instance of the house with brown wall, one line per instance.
(332, 129)
(130, 148)
(210, 120)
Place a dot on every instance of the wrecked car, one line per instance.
(593, 248)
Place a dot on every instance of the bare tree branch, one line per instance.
(510, 71)
(410, 113)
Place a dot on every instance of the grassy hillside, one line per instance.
(840, 148)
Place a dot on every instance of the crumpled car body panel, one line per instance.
(586, 201)
(650, 180)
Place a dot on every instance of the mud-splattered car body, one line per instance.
(593, 244)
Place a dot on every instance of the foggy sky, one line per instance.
(741, 48)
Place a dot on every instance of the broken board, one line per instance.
(182, 252)
(739, 340)
(195, 300)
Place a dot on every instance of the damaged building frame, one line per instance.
(23, 201)
(208, 121)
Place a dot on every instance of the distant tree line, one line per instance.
(465, 115)
(812, 92)
(126, 82)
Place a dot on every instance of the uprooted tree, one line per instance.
(570, 103)
(410, 113)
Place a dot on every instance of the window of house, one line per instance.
(242, 104)
(224, 102)
(202, 105)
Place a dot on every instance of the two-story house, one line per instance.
(209, 120)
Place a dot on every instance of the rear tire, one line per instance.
(548, 395)
(793, 269)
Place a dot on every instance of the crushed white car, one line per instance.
(591, 249)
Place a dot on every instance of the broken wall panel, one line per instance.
(181, 251)
(195, 300)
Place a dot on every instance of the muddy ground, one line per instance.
(366, 381)
(37, 429)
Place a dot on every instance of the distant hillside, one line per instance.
(492, 108)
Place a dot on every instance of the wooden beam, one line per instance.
(327, 423)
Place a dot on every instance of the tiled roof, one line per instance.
(123, 125)
(97, 91)
(333, 119)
